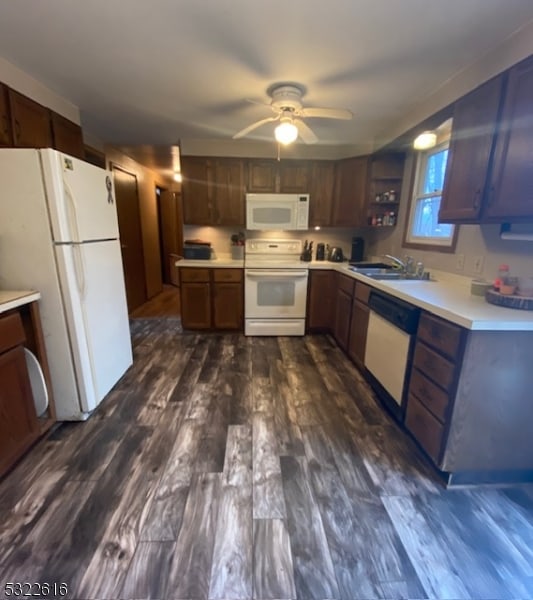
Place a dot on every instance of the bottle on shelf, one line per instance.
(503, 273)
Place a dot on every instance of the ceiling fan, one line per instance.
(289, 111)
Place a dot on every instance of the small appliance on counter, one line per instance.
(196, 250)
(358, 249)
(321, 251)
(336, 254)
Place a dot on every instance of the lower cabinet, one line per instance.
(19, 426)
(343, 310)
(359, 323)
(320, 297)
(212, 298)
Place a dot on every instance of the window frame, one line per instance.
(409, 240)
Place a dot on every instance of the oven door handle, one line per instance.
(269, 273)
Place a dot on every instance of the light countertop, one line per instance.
(13, 299)
(222, 262)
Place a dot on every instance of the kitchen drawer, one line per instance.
(346, 284)
(442, 335)
(198, 275)
(435, 399)
(11, 332)
(425, 427)
(233, 275)
(362, 292)
(434, 366)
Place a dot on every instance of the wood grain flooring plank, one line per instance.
(273, 568)
(476, 545)
(190, 570)
(231, 572)
(314, 575)
(191, 371)
(259, 355)
(168, 504)
(104, 575)
(241, 359)
(268, 498)
(238, 386)
(263, 395)
(148, 571)
(285, 421)
(212, 360)
(26, 557)
(436, 569)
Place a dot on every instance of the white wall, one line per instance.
(473, 241)
(28, 86)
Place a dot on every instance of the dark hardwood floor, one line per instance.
(227, 467)
(164, 304)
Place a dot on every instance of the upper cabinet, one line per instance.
(488, 177)
(271, 176)
(351, 181)
(385, 188)
(321, 186)
(511, 191)
(67, 136)
(213, 191)
(474, 126)
(30, 122)
(6, 136)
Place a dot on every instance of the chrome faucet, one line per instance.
(408, 266)
(398, 262)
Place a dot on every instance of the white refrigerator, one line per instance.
(59, 235)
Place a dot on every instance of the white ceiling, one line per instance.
(153, 73)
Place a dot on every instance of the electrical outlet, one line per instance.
(477, 264)
(459, 262)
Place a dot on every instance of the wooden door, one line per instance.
(262, 176)
(129, 224)
(474, 124)
(510, 194)
(30, 122)
(294, 177)
(350, 194)
(67, 136)
(321, 182)
(170, 227)
(228, 192)
(6, 134)
(196, 190)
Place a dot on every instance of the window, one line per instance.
(423, 227)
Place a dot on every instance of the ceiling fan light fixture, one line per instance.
(286, 133)
(427, 139)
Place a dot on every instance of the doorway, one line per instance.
(170, 232)
(129, 224)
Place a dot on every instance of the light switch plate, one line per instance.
(459, 262)
(477, 264)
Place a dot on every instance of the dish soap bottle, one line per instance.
(503, 274)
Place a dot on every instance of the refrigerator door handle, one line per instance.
(79, 268)
(72, 215)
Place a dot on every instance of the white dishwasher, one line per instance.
(391, 327)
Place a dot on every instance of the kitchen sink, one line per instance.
(387, 274)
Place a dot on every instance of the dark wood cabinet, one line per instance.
(474, 125)
(6, 132)
(228, 186)
(196, 190)
(212, 298)
(350, 202)
(321, 186)
(294, 177)
(343, 310)
(262, 176)
(67, 137)
(213, 191)
(320, 301)
(19, 427)
(30, 122)
(510, 194)
(359, 324)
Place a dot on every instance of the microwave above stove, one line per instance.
(277, 212)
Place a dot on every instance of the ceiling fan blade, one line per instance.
(327, 113)
(253, 126)
(305, 132)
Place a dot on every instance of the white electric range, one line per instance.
(275, 289)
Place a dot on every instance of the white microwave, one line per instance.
(268, 212)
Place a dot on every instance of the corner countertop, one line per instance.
(448, 296)
(13, 299)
